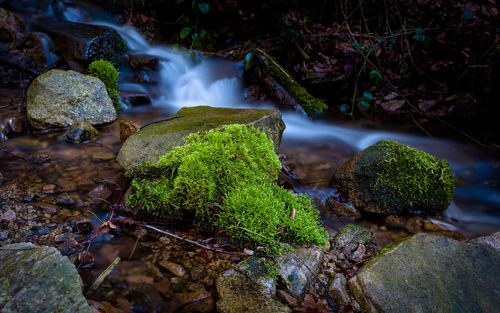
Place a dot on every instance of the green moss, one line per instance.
(406, 179)
(310, 103)
(108, 74)
(223, 178)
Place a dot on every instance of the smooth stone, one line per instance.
(61, 98)
(426, 273)
(158, 138)
(80, 132)
(296, 270)
(39, 279)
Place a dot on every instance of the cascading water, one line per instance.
(215, 82)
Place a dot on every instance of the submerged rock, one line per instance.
(82, 42)
(391, 178)
(425, 273)
(297, 270)
(61, 98)
(248, 288)
(39, 279)
(156, 139)
(80, 132)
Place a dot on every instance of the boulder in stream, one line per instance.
(392, 178)
(158, 138)
(426, 273)
(39, 279)
(60, 98)
(82, 42)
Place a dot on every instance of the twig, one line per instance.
(104, 274)
(13, 154)
(162, 120)
(161, 231)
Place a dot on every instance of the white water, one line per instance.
(213, 82)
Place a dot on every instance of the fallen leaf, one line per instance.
(392, 105)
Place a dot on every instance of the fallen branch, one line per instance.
(104, 274)
(162, 120)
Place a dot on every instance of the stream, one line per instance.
(313, 148)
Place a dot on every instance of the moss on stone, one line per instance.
(308, 102)
(223, 178)
(404, 179)
(108, 74)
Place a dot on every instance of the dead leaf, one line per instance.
(425, 105)
(392, 105)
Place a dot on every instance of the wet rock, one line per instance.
(100, 192)
(80, 132)
(342, 209)
(156, 139)
(82, 42)
(61, 98)
(286, 297)
(138, 61)
(11, 25)
(418, 224)
(4, 235)
(352, 235)
(426, 273)
(8, 216)
(39, 279)
(248, 288)
(102, 156)
(197, 273)
(65, 199)
(391, 178)
(338, 289)
(296, 271)
(492, 240)
(127, 129)
(199, 301)
(174, 268)
(135, 98)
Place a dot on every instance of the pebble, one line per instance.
(8, 216)
(174, 268)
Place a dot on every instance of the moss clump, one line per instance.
(223, 178)
(269, 66)
(405, 179)
(262, 214)
(108, 74)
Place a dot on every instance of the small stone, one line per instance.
(50, 188)
(30, 197)
(127, 129)
(309, 302)
(286, 297)
(164, 287)
(81, 132)
(64, 199)
(355, 257)
(352, 234)
(174, 268)
(100, 192)
(197, 273)
(342, 209)
(102, 156)
(8, 216)
(338, 289)
(4, 235)
(139, 279)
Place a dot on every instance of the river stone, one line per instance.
(392, 178)
(156, 139)
(426, 273)
(39, 279)
(492, 240)
(248, 288)
(80, 132)
(60, 98)
(352, 235)
(296, 270)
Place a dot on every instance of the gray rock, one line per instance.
(61, 98)
(80, 132)
(352, 235)
(492, 240)
(248, 288)
(392, 178)
(338, 289)
(156, 139)
(38, 279)
(426, 273)
(296, 270)
(174, 268)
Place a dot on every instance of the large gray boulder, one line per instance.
(248, 288)
(426, 273)
(392, 178)
(156, 139)
(61, 98)
(39, 279)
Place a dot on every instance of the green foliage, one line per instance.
(108, 74)
(419, 179)
(192, 178)
(223, 178)
(262, 214)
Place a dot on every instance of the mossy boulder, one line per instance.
(59, 98)
(155, 140)
(392, 178)
(426, 273)
(39, 279)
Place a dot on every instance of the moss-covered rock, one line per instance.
(156, 139)
(391, 178)
(426, 273)
(352, 235)
(60, 98)
(108, 74)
